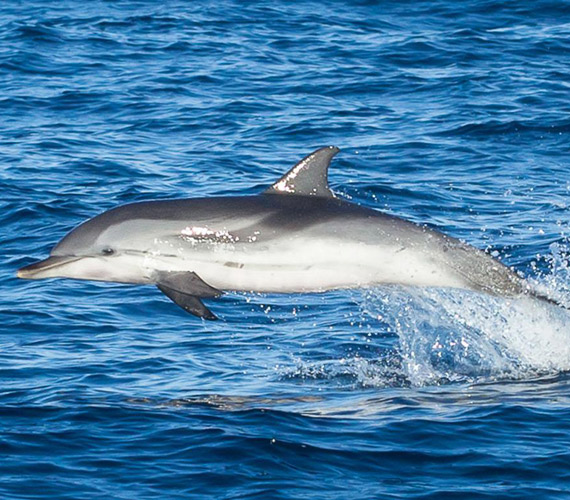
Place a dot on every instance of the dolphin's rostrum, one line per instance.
(296, 236)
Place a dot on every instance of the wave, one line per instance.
(494, 127)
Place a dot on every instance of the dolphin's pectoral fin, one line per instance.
(185, 290)
(188, 283)
(190, 303)
(308, 177)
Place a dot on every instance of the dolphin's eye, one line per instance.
(107, 251)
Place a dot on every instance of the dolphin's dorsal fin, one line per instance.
(308, 177)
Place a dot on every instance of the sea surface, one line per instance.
(450, 114)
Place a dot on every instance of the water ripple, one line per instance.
(449, 114)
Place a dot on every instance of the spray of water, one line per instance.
(443, 336)
(454, 335)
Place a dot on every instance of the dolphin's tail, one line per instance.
(485, 274)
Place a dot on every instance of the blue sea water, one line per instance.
(452, 114)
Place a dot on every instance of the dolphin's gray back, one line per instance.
(270, 215)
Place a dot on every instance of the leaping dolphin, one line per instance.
(296, 236)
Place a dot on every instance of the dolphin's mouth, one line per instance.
(37, 270)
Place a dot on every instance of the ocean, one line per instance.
(451, 114)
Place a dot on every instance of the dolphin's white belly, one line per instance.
(312, 266)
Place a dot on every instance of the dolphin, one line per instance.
(296, 236)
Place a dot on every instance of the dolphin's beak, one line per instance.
(41, 269)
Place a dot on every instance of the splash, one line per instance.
(434, 336)
(456, 335)
(352, 372)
